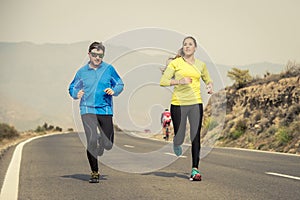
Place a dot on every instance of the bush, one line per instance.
(210, 123)
(241, 77)
(46, 127)
(40, 129)
(236, 134)
(7, 131)
(241, 125)
(283, 135)
(272, 130)
(258, 116)
(240, 129)
(58, 129)
(292, 69)
(265, 123)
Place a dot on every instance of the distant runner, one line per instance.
(166, 121)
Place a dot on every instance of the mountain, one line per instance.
(34, 80)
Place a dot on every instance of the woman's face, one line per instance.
(189, 47)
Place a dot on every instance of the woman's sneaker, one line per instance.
(94, 177)
(177, 150)
(195, 175)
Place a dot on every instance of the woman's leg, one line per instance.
(179, 118)
(195, 120)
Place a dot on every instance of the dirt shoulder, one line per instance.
(7, 143)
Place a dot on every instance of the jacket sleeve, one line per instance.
(116, 82)
(75, 86)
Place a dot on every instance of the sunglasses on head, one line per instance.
(101, 55)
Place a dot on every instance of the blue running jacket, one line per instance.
(94, 82)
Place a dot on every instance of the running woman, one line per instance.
(184, 73)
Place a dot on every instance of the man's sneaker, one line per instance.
(100, 146)
(195, 175)
(94, 177)
(177, 150)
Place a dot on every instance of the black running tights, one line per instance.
(180, 114)
(105, 125)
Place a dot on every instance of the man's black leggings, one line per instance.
(90, 124)
(179, 115)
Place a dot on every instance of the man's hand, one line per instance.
(80, 94)
(109, 91)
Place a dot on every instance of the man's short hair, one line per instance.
(97, 45)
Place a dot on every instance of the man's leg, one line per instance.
(107, 130)
(90, 124)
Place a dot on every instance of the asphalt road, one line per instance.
(56, 167)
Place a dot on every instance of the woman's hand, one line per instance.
(209, 88)
(185, 81)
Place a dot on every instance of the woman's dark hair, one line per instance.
(178, 55)
(98, 46)
(190, 37)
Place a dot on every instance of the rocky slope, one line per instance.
(264, 115)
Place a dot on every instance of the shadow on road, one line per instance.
(82, 177)
(168, 174)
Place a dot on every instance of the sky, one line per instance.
(231, 31)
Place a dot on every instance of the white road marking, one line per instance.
(259, 151)
(172, 154)
(10, 185)
(283, 175)
(129, 146)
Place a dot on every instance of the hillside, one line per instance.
(263, 115)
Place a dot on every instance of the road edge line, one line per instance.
(10, 186)
(259, 151)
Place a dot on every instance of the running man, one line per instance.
(95, 84)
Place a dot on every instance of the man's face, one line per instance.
(96, 57)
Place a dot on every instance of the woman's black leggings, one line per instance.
(105, 124)
(179, 115)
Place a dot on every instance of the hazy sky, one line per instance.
(232, 31)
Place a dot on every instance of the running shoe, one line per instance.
(177, 150)
(195, 175)
(94, 177)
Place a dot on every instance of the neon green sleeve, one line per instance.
(167, 75)
(205, 75)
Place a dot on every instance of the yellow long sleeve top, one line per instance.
(186, 94)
